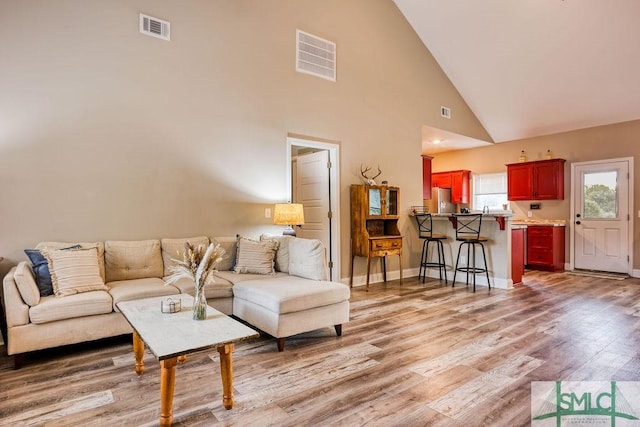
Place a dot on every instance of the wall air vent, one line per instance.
(445, 112)
(155, 27)
(315, 56)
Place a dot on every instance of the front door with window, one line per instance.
(601, 216)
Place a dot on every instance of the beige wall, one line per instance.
(603, 142)
(109, 134)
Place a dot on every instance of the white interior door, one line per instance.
(312, 190)
(601, 215)
(332, 150)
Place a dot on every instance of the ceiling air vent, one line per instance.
(155, 27)
(315, 56)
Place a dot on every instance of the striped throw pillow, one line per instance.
(255, 257)
(74, 271)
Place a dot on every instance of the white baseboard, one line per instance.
(379, 277)
(481, 280)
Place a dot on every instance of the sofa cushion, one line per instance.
(127, 290)
(26, 284)
(229, 246)
(282, 254)
(126, 260)
(214, 287)
(51, 308)
(307, 259)
(173, 249)
(84, 245)
(254, 256)
(74, 271)
(289, 294)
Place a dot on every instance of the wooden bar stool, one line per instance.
(425, 232)
(468, 232)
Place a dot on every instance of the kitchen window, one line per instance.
(489, 190)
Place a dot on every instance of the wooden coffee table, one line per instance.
(171, 336)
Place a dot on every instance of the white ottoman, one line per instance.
(289, 305)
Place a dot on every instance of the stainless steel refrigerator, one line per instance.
(440, 201)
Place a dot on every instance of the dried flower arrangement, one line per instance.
(197, 264)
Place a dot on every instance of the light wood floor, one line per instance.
(412, 355)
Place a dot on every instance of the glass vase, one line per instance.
(199, 304)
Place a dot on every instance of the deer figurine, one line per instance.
(370, 181)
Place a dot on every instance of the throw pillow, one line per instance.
(75, 271)
(41, 270)
(84, 245)
(282, 255)
(307, 259)
(229, 245)
(255, 257)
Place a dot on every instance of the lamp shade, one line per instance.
(288, 214)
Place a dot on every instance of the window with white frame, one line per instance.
(489, 190)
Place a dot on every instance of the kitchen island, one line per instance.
(496, 227)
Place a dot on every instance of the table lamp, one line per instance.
(288, 214)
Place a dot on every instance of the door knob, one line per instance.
(578, 222)
(577, 215)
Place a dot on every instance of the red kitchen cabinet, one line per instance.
(517, 254)
(545, 247)
(520, 181)
(539, 180)
(441, 180)
(460, 186)
(426, 177)
(457, 181)
(548, 179)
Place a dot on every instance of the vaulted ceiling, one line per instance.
(536, 67)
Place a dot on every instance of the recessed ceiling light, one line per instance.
(437, 141)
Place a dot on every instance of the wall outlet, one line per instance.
(463, 260)
(267, 212)
(529, 214)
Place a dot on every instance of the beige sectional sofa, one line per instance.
(275, 283)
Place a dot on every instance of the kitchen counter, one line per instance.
(537, 222)
(507, 214)
(499, 216)
(498, 247)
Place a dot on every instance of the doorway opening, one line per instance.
(601, 216)
(313, 175)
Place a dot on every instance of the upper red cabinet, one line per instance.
(426, 177)
(441, 180)
(539, 180)
(457, 181)
(460, 186)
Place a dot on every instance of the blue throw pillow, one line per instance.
(41, 270)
